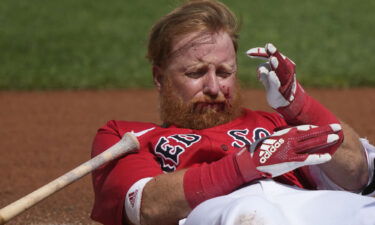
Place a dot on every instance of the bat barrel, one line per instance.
(127, 144)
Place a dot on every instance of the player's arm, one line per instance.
(284, 93)
(327, 177)
(348, 167)
(170, 197)
(163, 199)
(112, 181)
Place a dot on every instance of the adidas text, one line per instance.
(268, 147)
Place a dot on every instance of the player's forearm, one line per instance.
(163, 200)
(170, 197)
(348, 167)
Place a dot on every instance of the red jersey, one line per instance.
(168, 149)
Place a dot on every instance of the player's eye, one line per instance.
(223, 73)
(196, 73)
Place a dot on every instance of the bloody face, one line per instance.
(199, 87)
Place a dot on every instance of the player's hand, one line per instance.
(278, 76)
(289, 149)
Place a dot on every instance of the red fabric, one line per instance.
(309, 111)
(219, 178)
(209, 181)
(112, 181)
(162, 151)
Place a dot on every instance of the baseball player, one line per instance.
(216, 162)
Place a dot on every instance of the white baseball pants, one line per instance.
(271, 203)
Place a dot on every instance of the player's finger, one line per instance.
(281, 69)
(318, 138)
(280, 64)
(258, 52)
(315, 144)
(289, 88)
(310, 131)
(335, 127)
(263, 69)
(296, 162)
(274, 80)
(272, 51)
(262, 74)
(266, 66)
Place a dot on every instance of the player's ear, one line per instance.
(157, 76)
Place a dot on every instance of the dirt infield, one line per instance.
(45, 134)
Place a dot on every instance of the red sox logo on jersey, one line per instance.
(168, 149)
(240, 136)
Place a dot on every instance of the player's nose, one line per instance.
(211, 85)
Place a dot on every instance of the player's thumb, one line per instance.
(263, 76)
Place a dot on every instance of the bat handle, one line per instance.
(127, 144)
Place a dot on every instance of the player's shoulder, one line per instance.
(258, 113)
(272, 117)
(122, 126)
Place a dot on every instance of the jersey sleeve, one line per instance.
(112, 181)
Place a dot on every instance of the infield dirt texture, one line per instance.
(45, 134)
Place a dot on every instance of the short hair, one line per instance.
(193, 16)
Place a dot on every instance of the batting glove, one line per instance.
(278, 76)
(287, 150)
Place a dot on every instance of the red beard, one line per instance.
(198, 113)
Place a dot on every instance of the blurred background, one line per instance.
(85, 44)
(97, 49)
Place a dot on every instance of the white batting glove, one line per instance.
(278, 77)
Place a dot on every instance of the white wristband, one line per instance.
(133, 200)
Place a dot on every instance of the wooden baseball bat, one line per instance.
(127, 144)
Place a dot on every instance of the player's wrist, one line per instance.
(246, 167)
(295, 107)
(306, 110)
(218, 178)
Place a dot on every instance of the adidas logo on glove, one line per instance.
(268, 147)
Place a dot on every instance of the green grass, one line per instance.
(85, 44)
